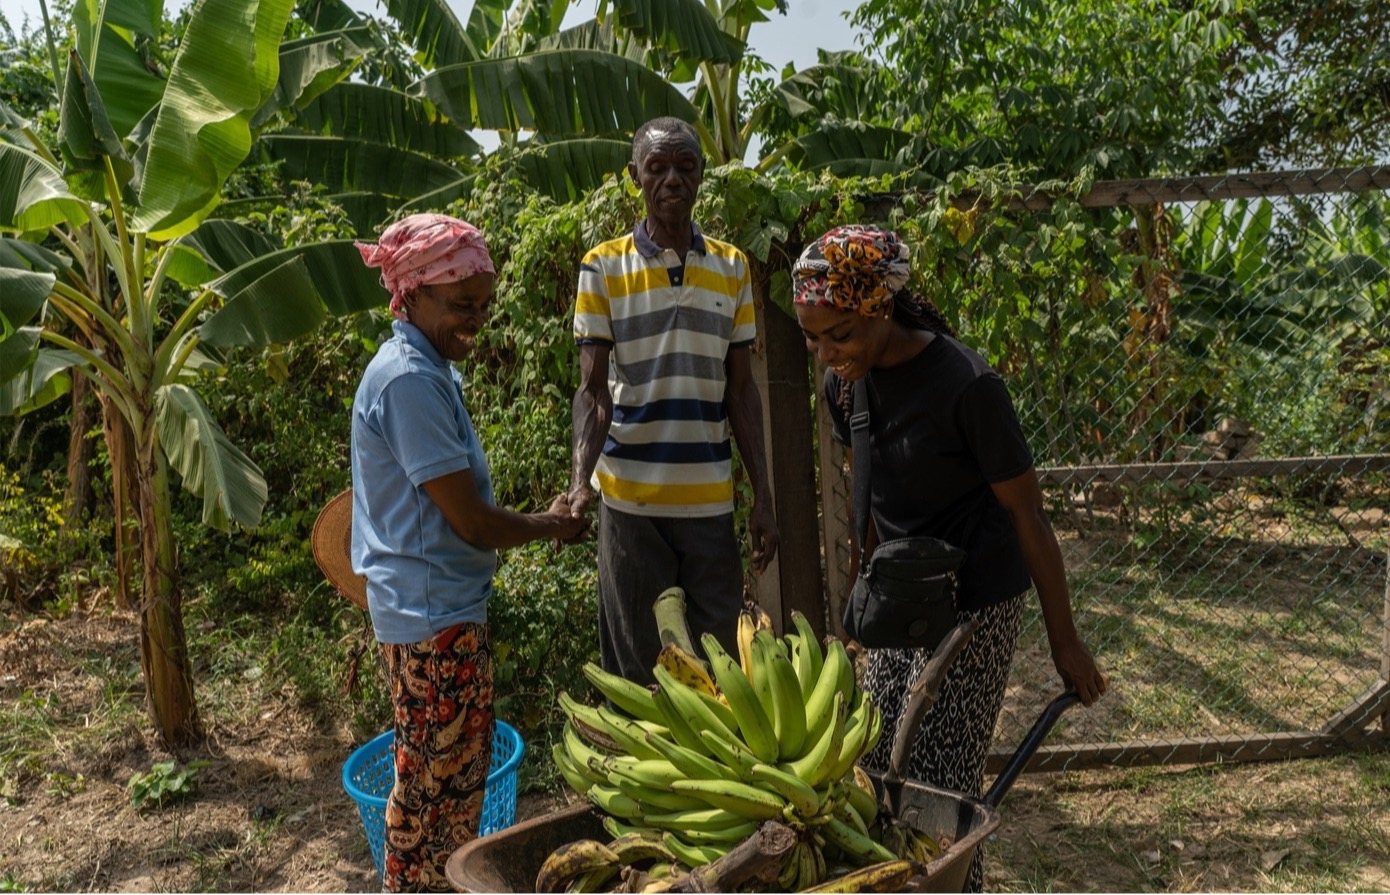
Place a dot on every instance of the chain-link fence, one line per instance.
(1210, 415)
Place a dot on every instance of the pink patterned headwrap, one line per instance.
(424, 249)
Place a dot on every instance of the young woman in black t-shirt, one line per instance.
(948, 460)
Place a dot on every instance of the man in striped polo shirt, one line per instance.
(664, 323)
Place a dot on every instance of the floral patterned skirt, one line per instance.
(442, 693)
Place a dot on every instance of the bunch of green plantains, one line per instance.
(686, 771)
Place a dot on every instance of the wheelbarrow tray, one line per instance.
(508, 860)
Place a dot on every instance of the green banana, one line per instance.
(705, 820)
(798, 792)
(611, 800)
(827, 686)
(731, 835)
(814, 767)
(788, 707)
(815, 658)
(627, 733)
(688, 702)
(651, 772)
(734, 755)
(694, 855)
(763, 651)
(859, 792)
(885, 876)
(753, 722)
(812, 867)
(695, 764)
(858, 847)
(846, 814)
(572, 860)
(589, 724)
(788, 875)
(652, 798)
(629, 696)
(741, 798)
(677, 724)
(721, 710)
(578, 781)
(582, 755)
(857, 728)
(617, 829)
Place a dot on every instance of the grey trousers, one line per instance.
(641, 556)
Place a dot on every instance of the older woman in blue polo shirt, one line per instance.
(425, 535)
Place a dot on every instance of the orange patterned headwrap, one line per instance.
(424, 249)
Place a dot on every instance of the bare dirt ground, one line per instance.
(270, 814)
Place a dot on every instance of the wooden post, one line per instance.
(1385, 646)
(835, 523)
(781, 365)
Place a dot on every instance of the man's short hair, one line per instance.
(642, 140)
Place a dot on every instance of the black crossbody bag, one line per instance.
(905, 595)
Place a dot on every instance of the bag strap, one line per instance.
(859, 443)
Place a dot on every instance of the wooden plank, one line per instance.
(1166, 190)
(1149, 753)
(835, 526)
(1364, 710)
(791, 461)
(1189, 471)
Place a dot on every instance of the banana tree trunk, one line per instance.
(163, 645)
(122, 454)
(79, 496)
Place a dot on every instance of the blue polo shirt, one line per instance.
(409, 426)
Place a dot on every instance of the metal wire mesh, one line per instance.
(1210, 414)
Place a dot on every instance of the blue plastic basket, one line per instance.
(370, 772)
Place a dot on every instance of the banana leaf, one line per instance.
(230, 484)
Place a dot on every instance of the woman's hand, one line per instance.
(1078, 669)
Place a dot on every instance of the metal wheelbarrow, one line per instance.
(509, 860)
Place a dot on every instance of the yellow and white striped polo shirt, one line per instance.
(670, 329)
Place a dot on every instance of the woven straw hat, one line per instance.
(332, 540)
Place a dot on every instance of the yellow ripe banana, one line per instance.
(753, 722)
(703, 820)
(746, 627)
(815, 658)
(925, 847)
(652, 799)
(740, 798)
(796, 791)
(694, 764)
(694, 855)
(814, 767)
(578, 781)
(788, 708)
(885, 876)
(656, 885)
(686, 668)
(628, 696)
(688, 703)
(611, 800)
(763, 619)
(856, 846)
(571, 860)
(764, 648)
(644, 845)
(827, 687)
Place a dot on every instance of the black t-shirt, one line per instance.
(941, 428)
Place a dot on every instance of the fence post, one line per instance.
(780, 367)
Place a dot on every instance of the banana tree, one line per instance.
(110, 269)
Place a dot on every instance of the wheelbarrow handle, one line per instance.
(1025, 751)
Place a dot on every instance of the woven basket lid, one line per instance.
(332, 541)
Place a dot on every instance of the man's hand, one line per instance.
(577, 505)
(572, 526)
(762, 528)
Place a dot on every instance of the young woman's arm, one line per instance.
(1022, 497)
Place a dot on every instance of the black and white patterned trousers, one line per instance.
(954, 739)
